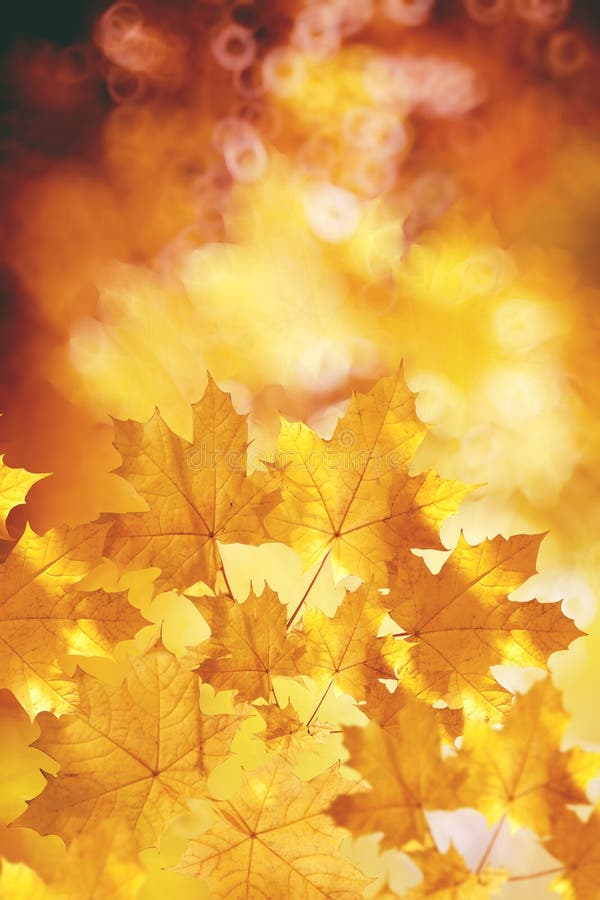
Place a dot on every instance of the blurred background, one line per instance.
(297, 196)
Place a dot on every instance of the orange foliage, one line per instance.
(373, 223)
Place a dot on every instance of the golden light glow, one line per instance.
(300, 198)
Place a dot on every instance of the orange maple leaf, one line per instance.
(520, 771)
(281, 722)
(345, 650)
(576, 844)
(43, 615)
(460, 622)
(133, 752)
(249, 644)
(446, 877)
(353, 495)
(45, 854)
(274, 840)
(383, 706)
(403, 783)
(197, 494)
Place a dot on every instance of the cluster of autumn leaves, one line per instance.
(413, 649)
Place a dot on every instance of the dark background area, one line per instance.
(67, 21)
(62, 22)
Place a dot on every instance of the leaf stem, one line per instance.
(225, 578)
(399, 634)
(319, 704)
(275, 698)
(490, 845)
(290, 621)
(554, 871)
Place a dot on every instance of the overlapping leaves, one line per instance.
(396, 682)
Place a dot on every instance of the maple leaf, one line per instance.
(45, 854)
(43, 615)
(576, 844)
(275, 840)
(197, 494)
(309, 750)
(249, 644)
(384, 706)
(103, 865)
(352, 495)
(134, 751)
(520, 770)
(20, 764)
(460, 622)
(99, 866)
(14, 485)
(281, 722)
(446, 877)
(345, 650)
(403, 783)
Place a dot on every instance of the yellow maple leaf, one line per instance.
(197, 494)
(446, 877)
(576, 845)
(275, 841)
(43, 615)
(344, 650)
(353, 495)
(403, 783)
(102, 865)
(459, 623)
(135, 751)
(249, 645)
(520, 770)
(20, 763)
(44, 854)
(14, 485)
